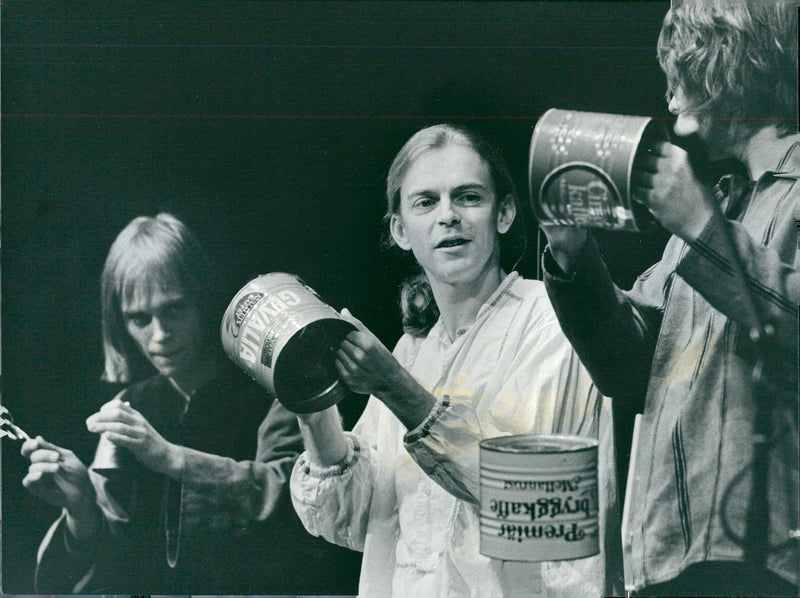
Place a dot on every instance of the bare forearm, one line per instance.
(323, 436)
(407, 399)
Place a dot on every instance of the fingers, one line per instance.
(45, 456)
(118, 408)
(642, 179)
(29, 447)
(119, 429)
(114, 411)
(122, 440)
(345, 357)
(654, 157)
(31, 479)
(349, 371)
(660, 148)
(41, 468)
(646, 162)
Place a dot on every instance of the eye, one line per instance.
(470, 198)
(424, 202)
(138, 320)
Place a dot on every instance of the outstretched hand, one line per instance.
(125, 427)
(56, 475)
(664, 181)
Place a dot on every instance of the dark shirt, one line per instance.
(227, 527)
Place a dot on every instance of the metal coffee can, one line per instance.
(580, 169)
(539, 497)
(279, 331)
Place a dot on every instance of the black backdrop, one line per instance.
(268, 128)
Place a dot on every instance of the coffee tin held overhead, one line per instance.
(580, 169)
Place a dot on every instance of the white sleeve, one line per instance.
(334, 502)
(543, 389)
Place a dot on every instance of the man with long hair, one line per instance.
(709, 335)
(188, 491)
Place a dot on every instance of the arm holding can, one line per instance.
(367, 366)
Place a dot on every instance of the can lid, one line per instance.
(539, 443)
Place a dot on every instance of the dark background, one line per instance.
(268, 128)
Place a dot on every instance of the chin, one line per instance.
(459, 276)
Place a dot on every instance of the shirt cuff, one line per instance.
(439, 407)
(709, 245)
(551, 268)
(337, 469)
(74, 546)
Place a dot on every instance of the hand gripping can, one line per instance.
(580, 169)
(285, 337)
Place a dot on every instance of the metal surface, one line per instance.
(539, 498)
(285, 337)
(580, 169)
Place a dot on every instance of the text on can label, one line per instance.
(260, 320)
(542, 507)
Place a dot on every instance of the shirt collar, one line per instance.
(789, 165)
(439, 331)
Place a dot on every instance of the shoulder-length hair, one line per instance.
(736, 61)
(417, 305)
(151, 253)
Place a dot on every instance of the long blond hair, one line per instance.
(149, 253)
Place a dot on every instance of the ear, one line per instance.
(398, 232)
(506, 212)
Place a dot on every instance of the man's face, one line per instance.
(449, 216)
(165, 326)
(715, 135)
(687, 122)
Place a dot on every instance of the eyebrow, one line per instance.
(459, 189)
(177, 302)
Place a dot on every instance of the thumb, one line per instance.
(33, 444)
(349, 317)
(47, 445)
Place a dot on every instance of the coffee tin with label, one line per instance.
(539, 498)
(581, 165)
(279, 331)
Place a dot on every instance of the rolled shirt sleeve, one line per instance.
(222, 493)
(546, 390)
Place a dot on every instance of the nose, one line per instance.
(674, 105)
(159, 330)
(448, 214)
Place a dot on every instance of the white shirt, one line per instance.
(395, 495)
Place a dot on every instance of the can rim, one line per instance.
(546, 444)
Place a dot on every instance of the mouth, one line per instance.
(447, 243)
(165, 355)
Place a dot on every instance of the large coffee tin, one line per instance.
(539, 498)
(580, 169)
(279, 331)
